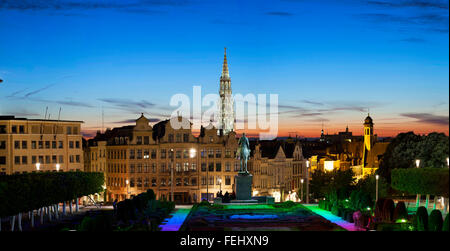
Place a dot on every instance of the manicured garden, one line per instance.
(140, 213)
(356, 203)
(286, 216)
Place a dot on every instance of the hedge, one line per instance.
(432, 181)
(29, 191)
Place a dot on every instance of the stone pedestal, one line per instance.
(243, 183)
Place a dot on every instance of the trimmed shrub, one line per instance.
(400, 211)
(435, 221)
(422, 219)
(379, 208)
(446, 225)
(388, 210)
(335, 209)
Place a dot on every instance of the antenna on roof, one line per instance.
(46, 109)
(103, 122)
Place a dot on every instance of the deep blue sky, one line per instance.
(328, 60)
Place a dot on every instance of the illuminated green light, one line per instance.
(368, 208)
(401, 221)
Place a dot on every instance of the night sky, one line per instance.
(329, 61)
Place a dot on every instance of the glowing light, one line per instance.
(448, 164)
(255, 193)
(401, 221)
(126, 182)
(368, 208)
(329, 165)
(377, 176)
(38, 165)
(417, 163)
(307, 163)
(301, 181)
(192, 153)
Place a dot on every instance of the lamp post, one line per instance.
(171, 176)
(57, 167)
(418, 195)
(377, 177)
(220, 184)
(127, 182)
(307, 181)
(38, 165)
(301, 198)
(192, 155)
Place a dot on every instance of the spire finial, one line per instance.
(225, 72)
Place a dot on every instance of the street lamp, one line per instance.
(38, 165)
(307, 181)
(418, 195)
(127, 182)
(301, 198)
(376, 187)
(57, 167)
(192, 153)
(171, 176)
(448, 164)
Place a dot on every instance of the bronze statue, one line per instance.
(243, 153)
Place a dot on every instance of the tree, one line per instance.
(432, 150)
(368, 185)
(336, 184)
(400, 153)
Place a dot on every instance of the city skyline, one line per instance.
(329, 66)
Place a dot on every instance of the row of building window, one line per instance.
(179, 167)
(20, 129)
(164, 153)
(47, 159)
(41, 144)
(146, 182)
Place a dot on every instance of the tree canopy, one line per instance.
(335, 183)
(432, 150)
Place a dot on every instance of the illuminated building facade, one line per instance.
(360, 153)
(140, 157)
(32, 145)
(277, 168)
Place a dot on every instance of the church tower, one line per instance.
(368, 138)
(368, 132)
(226, 103)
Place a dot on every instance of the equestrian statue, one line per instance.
(243, 153)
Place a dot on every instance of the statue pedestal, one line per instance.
(243, 183)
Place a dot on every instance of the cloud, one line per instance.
(14, 94)
(428, 118)
(126, 103)
(423, 19)
(279, 13)
(412, 3)
(311, 102)
(37, 91)
(136, 6)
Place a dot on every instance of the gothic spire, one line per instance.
(225, 73)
